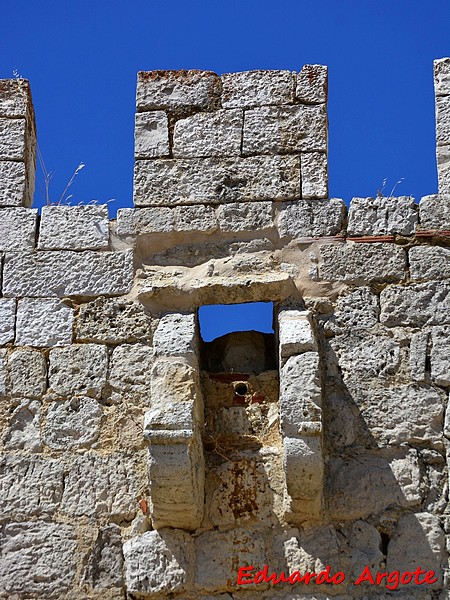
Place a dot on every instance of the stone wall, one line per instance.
(132, 468)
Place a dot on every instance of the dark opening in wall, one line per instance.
(237, 338)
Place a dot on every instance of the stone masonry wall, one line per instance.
(128, 468)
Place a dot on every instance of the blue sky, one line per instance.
(82, 58)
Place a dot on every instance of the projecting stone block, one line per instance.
(382, 216)
(113, 321)
(74, 423)
(43, 322)
(7, 320)
(37, 559)
(215, 133)
(29, 486)
(303, 464)
(14, 190)
(176, 335)
(314, 169)
(415, 305)
(257, 88)
(67, 273)
(167, 555)
(216, 180)
(140, 221)
(99, 486)
(311, 218)
(151, 135)
(312, 84)
(245, 216)
(201, 219)
(442, 76)
(282, 129)
(442, 120)
(74, 228)
(429, 262)
(78, 370)
(177, 90)
(443, 165)
(370, 483)
(13, 139)
(17, 228)
(295, 332)
(15, 98)
(130, 369)
(27, 373)
(173, 422)
(23, 432)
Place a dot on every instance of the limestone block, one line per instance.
(173, 381)
(303, 465)
(17, 228)
(13, 139)
(216, 180)
(434, 211)
(130, 370)
(418, 352)
(140, 221)
(27, 370)
(442, 120)
(443, 166)
(429, 262)
(78, 370)
(195, 218)
(37, 559)
(29, 486)
(113, 321)
(176, 335)
(220, 554)
(417, 541)
(158, 562)
(382, 216)
(312, 550)
(295, 332)
(365, 545)
(282, 129)
(314, 170)
(7, 319)
(357, 309)
(151, 134)
(311, 218)
(74, 228)
(177, 90)
(441, 76)
(105, 563)
(245, 216)
(99, 486)
(3, 372)
(415, 305)
(440, 360)
(74, 423)
(23, 432)
(370, 483)
(173, 422)
(215, 133)
(14, 190)
(15, 98)
(312, 84)
(257, 88)
(43, 322)
(67, 273)
(362, 263)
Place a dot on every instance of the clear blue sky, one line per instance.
(81, 58)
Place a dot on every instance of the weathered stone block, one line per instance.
(357, 310)
(312, 550)
(303, 464)
(362, 263)
(176, 335)
(415, 305)
(105, 563)
(314, 169)
(43, 322)
(67, 273)
(18, 228)
(3, 371)
(429, 262)
(27, 370)
(200, 219)
(29, 486)
(7, 320)
(257, 88)
(442, 120)
(441, 76)
(177, 90)
(13, 139)
(418, 352)
(113, 321)
(14, 190)
(245, 216)
(282, 129)
(443, 166)
(216, 180)
(434, 211)
(382, 216)
(98, 486)
(440, 359)
(78, 370)
(130, 370)
(166, 554)
(215, 133)
(74, 228)
(74, 423)
(151, 135)
(15, 98)
(295, 332)
(131, 221)
(311, 218)
(172, 422)
(23, 432)
(312, 84)
(37, 559)
(173, 381)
